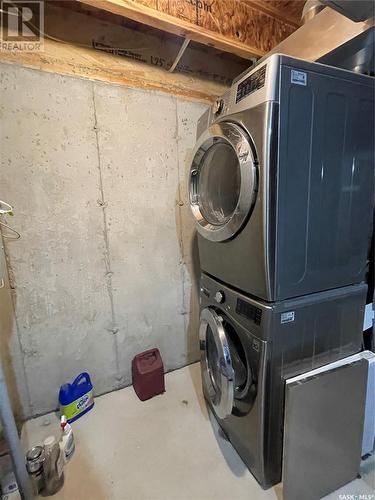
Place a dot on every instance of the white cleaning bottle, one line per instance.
(67, 444)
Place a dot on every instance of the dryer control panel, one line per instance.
(252, 83)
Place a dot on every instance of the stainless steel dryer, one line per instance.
(249, 347)
(282, 180)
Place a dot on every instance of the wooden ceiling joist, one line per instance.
(247, 28)
(81, 62)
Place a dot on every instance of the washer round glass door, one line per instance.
(216, 361)
(223, 181)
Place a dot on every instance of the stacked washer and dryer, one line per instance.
(281, 189)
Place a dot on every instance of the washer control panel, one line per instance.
(249, 311)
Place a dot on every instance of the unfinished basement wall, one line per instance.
(106, 265)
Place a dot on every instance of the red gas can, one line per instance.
(148, 374)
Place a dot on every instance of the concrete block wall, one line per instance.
(106, 265)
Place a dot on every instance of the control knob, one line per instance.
(218, 106)
(219, 297)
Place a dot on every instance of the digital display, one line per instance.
(252, 83)
(249, 311)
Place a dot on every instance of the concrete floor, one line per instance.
(164, 448)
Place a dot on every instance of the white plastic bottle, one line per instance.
(67, 444)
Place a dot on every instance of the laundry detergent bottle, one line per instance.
(77, 398)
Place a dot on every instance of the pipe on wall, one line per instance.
(11, 436)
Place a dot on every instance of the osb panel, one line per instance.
(288, 10)
(238, 21)
(242, 21)
(182, 10)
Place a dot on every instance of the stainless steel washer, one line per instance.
(249, 347)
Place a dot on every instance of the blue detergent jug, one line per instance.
(77, 398)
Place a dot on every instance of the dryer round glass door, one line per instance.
(223, 181)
